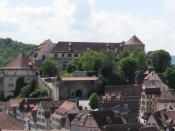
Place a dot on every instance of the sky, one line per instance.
(33, 21)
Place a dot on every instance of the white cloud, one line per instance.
(169, 6)
(77, 20)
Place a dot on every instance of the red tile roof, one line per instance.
(9, 123)
(21, 61)
(45, 46)
(134, 41)
(65, 107)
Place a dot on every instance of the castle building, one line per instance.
(41, 52)
(18, 67)
(64, 51)
(134, 44)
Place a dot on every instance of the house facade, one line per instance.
(151, 91)
(60, 118)
(18, 67)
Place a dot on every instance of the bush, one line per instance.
(39, 92)
(93, 101)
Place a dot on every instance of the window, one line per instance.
(43, 57)
(35, 55)
(75, 55)
(69, 55)
(10, 85)
(56, 55)
(143, 96)
(43, 120)
(39, 113)
(126, 106)
(62, 55)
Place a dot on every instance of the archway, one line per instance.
(78, 93)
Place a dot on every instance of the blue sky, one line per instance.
(33, 21)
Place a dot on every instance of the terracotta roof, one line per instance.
(151, 76)
(129, 109)
(9, 123)
(124, 91)
(21, 61)
(97, 118)
(50, 106)
(65, 107)
(45, 46)
(134, 41)
(165, 117)
(85, 46)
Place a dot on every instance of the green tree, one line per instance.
(25, 91)
(28, 89)
(160, 59)
(141, 60)
(93, 101)
(39, 92)
(170, 77)
(128, 68)
(49, 68)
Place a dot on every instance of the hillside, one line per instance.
(173, 60)
(9, 48)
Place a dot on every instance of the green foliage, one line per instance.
(25, 91)
(39, 92)
(170, 77)
(49, 68)
(67, 74)
(128, 68)
(28, 89)
(93, 101)
(95, 63)
(160, 60)
(10, 48)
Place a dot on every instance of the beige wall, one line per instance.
(10, 77)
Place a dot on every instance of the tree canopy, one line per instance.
(160, 60)
(169, 76)
(93, 101)
(49, 68)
